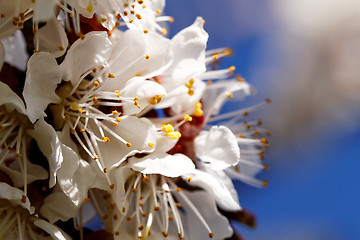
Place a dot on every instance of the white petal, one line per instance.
(44, 9)
(34, 172)
(42, 77)
(49, 145)
(14, 195)
(143, 89)
(58, 206)
(10, 100)
(75, 176)
(128, 56)
(15, 50)
(124, 173)
(163, 164)
(206, 206)
(218, 191)
(54, 232)
(217, 147)
(139, 132)
(189, 51)
(91, 52)
(52, 38)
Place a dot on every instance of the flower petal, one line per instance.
(42, 77)
(44, 9)
(85, 54)
(49, 145)
(52, 38)
(163, 164)
(2, 55)
(54, 232)
(217, 147)
(218, 191)
(14, 195)
(139, 132)
(10, 100)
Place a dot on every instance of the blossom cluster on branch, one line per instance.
(102, 115)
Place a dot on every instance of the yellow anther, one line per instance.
(151, 145)
(80, 110)
(74, 106)
(67, 117)
(209, 82)
(229, 95)
(82, 130)
(189, 179)
(155, 100)
(110, 75)
(178, 204)
(94, 99)
(143, 6)
(140, 2)
(136, 98)
(232, 68)
(164, 31)
(115, 124)
(215, 56)
(18, 155)
(239, 78)
(118, 119)
(114, 112)
(147, 56)
(106, 139)
(116, 91)
(211, 235)
(112, 186)
(96, 157)
(86, 199)
(146, 179)
(72, 131)
(89, 8)
(178, 189)
(133, 5)
(174, 135)
(144, 214)
(146, 31)
(187, 118)
(167, 128)
(61, 48)
(191, 81)
(138, 106)
(191, 92)
(264, 183)
(23, 198)
(171, 19)
(96, 83)
(171, 218)
(117, 95)
(158, 11)
(131, 20)
(128, 144)
(228, 52)
(105, 170)
(198, 112)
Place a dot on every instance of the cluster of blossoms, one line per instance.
(108, 117)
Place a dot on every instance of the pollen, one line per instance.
(144, 214)
(110, 75)
(229, 95)
(198, 110)
(94, 99)
(112, 186)
(106, 139)
(74, 106)
(264, 183)
(211, 235)
(155, 100)
(147, 56)
(151, 145)
(18, 155)
(131, 20)
(128, 144)
(23, 198)
(82, 130)
(146, 179)
(96, 83)
(187, 118)
(86, 199)
(171, 19)
(72, 131)
(156, 208)
(215, 56)
(146, 31)
(80, 110)
(189, 179)
(239, 78)
(232, 68)
(115, 124)
(178, 189)
(167, 128)
(96, 157)
(171, 218)
(114, 112)
(158, 11)
(165, 234)
(174, 135)
(105, 170)
(118, 119)
(89, 8)
(141, 228)
(164, 31)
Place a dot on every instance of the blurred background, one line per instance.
(305, 56)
